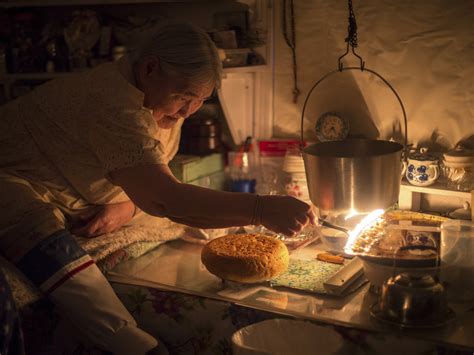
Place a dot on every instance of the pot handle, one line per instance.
(361, 68)
(435, 167)
(404, 168)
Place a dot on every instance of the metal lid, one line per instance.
(415, 281)
(422, 155)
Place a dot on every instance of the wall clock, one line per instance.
(331, 126)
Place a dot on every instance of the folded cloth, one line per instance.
(144, 228)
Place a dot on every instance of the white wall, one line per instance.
(424, 48)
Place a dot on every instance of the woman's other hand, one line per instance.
(109, 218)
(285, 214)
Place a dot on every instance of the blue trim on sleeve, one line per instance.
(50, 256)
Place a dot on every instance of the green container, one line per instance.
(189, 168)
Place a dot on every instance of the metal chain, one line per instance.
(351, 39)
(352, 27)
(291, 42)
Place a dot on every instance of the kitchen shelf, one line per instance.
(247, 69)
(410, 196)
(438, 188)
(250, 88)
(9, 78)
(13, 4)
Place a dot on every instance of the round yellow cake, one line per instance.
(247, 258)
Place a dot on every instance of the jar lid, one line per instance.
(459, 155)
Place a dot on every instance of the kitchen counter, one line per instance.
(176, 266)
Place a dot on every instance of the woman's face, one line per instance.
(170, 98)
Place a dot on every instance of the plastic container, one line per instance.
(294, 175)
(457, 259)
(242, 171)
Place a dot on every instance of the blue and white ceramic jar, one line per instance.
(422, 168)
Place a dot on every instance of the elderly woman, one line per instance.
(104, 138)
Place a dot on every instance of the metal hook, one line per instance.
(339, 60)
(362, 63)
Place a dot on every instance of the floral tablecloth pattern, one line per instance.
(192, 325)
(196, 325)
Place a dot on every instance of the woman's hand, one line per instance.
(109, 218)
(285, 214)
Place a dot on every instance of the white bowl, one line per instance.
(286, 336)
(333, 240)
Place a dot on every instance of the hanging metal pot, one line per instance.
(347, 175)
(353, 174)
(356, 174)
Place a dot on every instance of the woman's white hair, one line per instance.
(183, 49)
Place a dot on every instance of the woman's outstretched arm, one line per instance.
(155, 190)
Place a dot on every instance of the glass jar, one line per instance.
(458, 168)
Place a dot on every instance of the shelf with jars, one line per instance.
(43, 3)
(36, 40)
(40, 41)
(435, 179)
(9, 78)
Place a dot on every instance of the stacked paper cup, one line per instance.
(295, 176)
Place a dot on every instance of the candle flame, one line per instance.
(366, 222)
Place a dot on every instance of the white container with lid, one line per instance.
(422, 168)
(459, 158)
